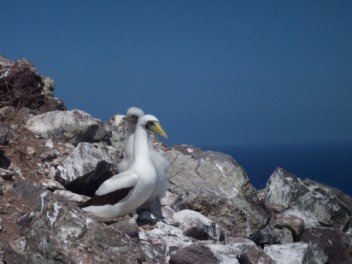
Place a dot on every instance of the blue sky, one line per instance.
(214, 72)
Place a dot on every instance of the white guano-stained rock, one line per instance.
(316, 204)
(69, 126)
(83, 160)
(213, 184)
(196, 225)
(86, 168)
(294, 253)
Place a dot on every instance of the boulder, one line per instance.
(295, 253)
(315, 203)
(242, 251)
(289, 220)
(213, 184)
(26, 190)
(62, 233)
(86, 168)
(194, 254)
(334, 244)
(284, 227)
(69, 126)
(21, 86)
(161, 240)
(196, 225)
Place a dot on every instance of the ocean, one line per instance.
(329, 162)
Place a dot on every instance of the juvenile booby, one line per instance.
(160, 162)
(126, 191)
(131, 120)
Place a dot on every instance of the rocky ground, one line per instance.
(52, 159)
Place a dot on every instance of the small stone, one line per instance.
(169, 199)
(49, 143)
(6, 135)
(197, 253)
(6, 174)
(6, 187)
(196, 225)
(18, 245)
(127, 226)
(30, 151)
(49, 155)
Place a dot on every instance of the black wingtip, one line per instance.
(107, 199)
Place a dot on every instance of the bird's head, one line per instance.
(133, 114)
(151, 123)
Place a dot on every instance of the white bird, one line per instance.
(131, 119)
(126, 191)
(160, 162)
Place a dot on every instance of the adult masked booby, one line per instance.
(131, 120)
(126, 191)
(160, 162)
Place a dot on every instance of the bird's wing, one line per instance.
(123, 180)
(113, 190)
(110, 198)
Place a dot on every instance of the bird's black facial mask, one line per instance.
(149, 125)
(133, 119)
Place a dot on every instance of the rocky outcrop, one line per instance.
(50, 161)
(55, 230)
(87, 167)
(215, 185)
(295, 253)
(69, 126)
(21, 86)
(317, 205)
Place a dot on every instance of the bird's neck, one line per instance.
(141, 145)
(129, 129)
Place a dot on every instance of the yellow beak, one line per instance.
(156, 127)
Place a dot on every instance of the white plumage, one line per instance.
(126, 191)
(159, 160)
(131, 119)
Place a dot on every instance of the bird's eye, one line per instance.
(149, 124)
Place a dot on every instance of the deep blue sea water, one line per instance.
(329, 163)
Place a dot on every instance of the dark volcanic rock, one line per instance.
(4, 161)
(336, 245)
(26, 189)
(127, 226)
(6, 134)
(194, 254)
(21, 86)
(251, 254)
